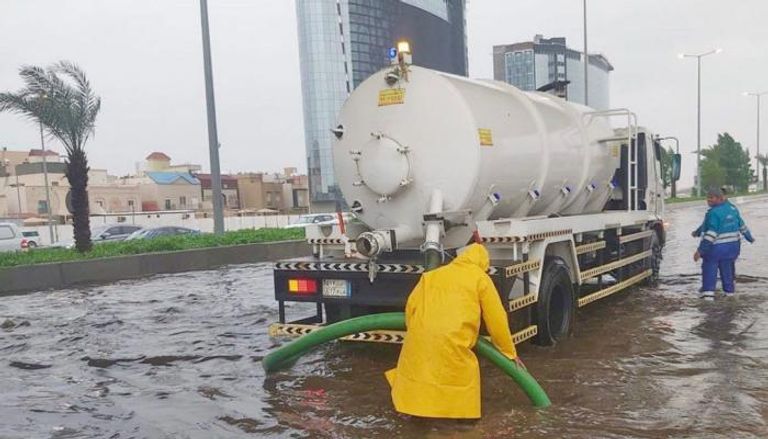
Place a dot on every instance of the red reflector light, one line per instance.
(302, 286)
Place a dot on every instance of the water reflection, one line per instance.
(178, 356)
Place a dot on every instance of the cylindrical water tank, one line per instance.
(398, 142)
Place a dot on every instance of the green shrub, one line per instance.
(139, 246)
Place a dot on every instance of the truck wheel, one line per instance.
(555, 309)
(655, 262)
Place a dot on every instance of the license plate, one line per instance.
(336, 288)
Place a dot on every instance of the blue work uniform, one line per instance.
(720, 245)
(743, 228)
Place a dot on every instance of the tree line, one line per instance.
(725, 164)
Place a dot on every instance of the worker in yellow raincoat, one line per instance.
(437, 374)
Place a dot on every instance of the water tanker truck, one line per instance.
(568, 201)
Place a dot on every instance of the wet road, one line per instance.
(178, 356)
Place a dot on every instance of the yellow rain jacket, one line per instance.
(437, 374)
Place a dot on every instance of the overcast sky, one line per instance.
(144, 58)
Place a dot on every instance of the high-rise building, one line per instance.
(532, 64)
(342, 42)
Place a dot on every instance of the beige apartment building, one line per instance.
(160, 186)
(286, 193)
(170, 191)
(22, 188)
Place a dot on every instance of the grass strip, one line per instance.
(142, 246)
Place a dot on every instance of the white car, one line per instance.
(318, 219)
(11, 238)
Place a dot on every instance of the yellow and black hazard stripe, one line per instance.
(615, 288)
(500, 239)
(298, 330)
(523, 267)
(597, 271)
(591, 247)
(396, 337)
(636, 236)
(357, 267)
(326, 241)
(545, 235)
(528, 238)
(522, 302)
(525, 334)
(348, 267)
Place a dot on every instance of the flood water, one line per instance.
(179, 356)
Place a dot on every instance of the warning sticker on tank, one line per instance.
(391, 96)
(486, 136)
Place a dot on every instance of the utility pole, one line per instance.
(698, 111)
(45, 176)
(213, 135)
(757, 153)
(586, 59)
(18, 192)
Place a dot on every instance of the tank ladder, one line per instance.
(633, 190)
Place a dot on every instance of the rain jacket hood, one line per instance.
(475, 255)
(437, 374)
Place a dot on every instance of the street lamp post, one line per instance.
(586, 59)
(45, 175)
(213, 135)
(757, 140)
(698, 111)
(18, 192)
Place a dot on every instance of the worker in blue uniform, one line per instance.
(720, 244)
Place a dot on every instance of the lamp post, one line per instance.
(698, 57)
(757, 95)
(586, 59)
(42, 98)
(213, 135)
(18, 192)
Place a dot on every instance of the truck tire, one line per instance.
(555, 310)
(655, 262)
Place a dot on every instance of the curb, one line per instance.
(31, 278)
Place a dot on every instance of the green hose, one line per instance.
(288, 354)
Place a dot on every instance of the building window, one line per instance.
(42, 207)
(269, 198)
(131, 204)
(168, 205)
(183, 201)
(519, 69)
(100, 203)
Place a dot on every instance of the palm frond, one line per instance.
(62, 100)
(20, 103)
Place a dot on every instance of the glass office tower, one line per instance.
(342, 42)
(532, 64)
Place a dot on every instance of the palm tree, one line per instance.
(762, 160)
(61, 99)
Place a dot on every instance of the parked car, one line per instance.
(32, 237)
(11, 238)
(115, 232)
(105, 233)
(162, 231)
(320, 219)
